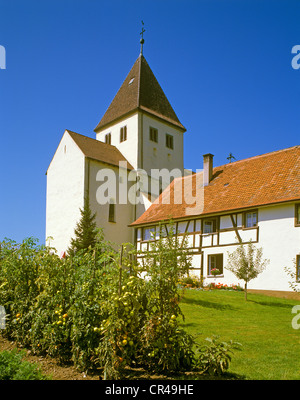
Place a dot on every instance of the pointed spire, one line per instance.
(140, 91)
(142, 41)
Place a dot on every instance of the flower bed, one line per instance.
(195, 282)
(191, 281)
(223, 286)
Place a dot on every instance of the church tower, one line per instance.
(142, 124)
(139, 129)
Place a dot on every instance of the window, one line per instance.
(123, 134)
(298, 268)
(215, 261)
(250, 219)
(111, 212)
(138, 234)
(169, 141)
(181, 227)
(153, 134)
(108, 138)
(210, 225)
(297, 215)
(149, 233)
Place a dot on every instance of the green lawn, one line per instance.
(263, 325)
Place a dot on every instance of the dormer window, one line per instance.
(123, 134)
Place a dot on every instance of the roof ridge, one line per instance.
(258, 156)
(139, 80)
(88, 137)
(271, 178)
(98, 150)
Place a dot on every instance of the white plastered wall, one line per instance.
(280, 241)
(140, 151)
(277, 235)
(129, 148)
(116, 232)
(157, 155)
(65, 193)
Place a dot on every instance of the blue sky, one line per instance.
(225, 67)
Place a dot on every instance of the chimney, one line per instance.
(207, 168)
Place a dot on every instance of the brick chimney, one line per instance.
(207, 168)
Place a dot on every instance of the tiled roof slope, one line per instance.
(140, 90)
(97, 150)
(266, 179)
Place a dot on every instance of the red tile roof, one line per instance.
(140, 91)
(266, 179)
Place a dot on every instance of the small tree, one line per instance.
(85, 231)
(294, 275)
(246, 264)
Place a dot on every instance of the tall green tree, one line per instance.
(86, 230)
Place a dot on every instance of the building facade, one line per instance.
(139, 132)
(253, 200)
(139, 136)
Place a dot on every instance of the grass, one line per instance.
(263, 325)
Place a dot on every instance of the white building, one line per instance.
(139, 128)
(255, 199)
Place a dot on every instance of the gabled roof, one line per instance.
(98, 151)
(257, 181)
(140, 91)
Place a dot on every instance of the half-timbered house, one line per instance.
(255, 199)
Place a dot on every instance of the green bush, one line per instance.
(215, 357)
(101, 309)
(191, 281)
(166, 347)
(12, 367)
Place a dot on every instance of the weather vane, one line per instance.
(142, 41)
(230, 157)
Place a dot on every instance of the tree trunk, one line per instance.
(246, 290)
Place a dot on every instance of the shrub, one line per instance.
(12, 367)
(120, 332)
(19, 265)
(191, 281)
(164, 345)
(100, 309)
(215, 357)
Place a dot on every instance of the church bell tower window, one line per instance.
(153, 134)
(123, 134)
(169, 141)
(111, 212)
(108, 138)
